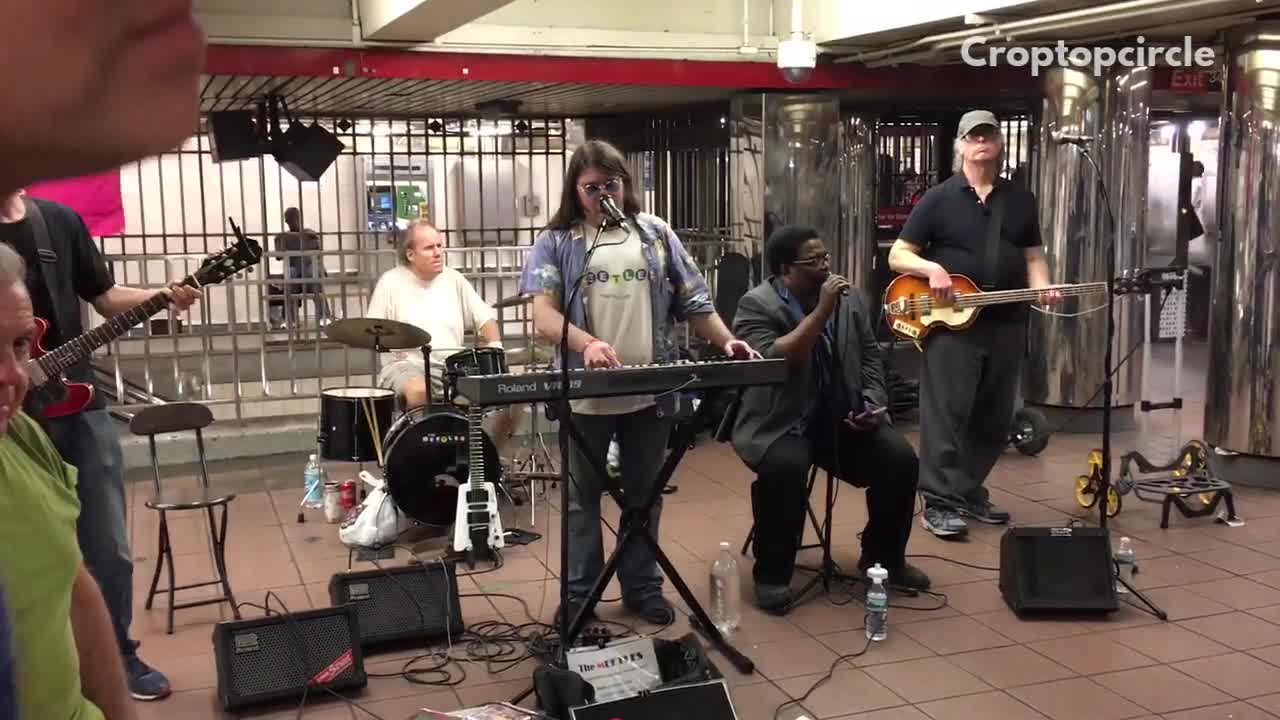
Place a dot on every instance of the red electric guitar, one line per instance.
(52, 396)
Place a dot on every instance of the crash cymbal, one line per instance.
(523, 356)
(512, 301)
(377, 334)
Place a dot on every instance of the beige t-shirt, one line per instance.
(619, 305)
(445, 306)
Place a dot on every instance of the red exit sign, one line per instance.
(1193, 82)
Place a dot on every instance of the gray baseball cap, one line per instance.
(974, 119)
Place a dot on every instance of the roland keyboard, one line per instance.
(684, 376)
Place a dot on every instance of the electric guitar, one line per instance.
(52, 396)
(912, 312)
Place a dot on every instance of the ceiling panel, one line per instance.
(409, 97)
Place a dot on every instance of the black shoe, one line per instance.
(986, 512)
(654, 609)
(145, 682)
(574, 605)
(944, 522)
(908, 576)
(773, 599)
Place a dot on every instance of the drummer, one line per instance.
(423, 292)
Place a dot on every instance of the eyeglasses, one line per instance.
(816, 260)
(593, 191)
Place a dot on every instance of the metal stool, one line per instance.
(185, 417)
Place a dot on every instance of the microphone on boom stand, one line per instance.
(613, 215)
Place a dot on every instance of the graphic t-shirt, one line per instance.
(619, 309)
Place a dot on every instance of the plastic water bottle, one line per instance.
(1126, 559)
(313, 483)
(877, 604)
(725, 591)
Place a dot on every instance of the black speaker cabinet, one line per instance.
(399, 604)
(278, 656)
(705, 701)
(1057, 569)
(234, 135)
(307, 151)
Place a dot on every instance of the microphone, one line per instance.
(1072, 139)
(613, 215)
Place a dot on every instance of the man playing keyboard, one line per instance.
(640, 281)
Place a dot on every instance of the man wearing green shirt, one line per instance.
(67, 665)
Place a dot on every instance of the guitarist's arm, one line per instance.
(904, 257)
(1038, 274)
(122, 298)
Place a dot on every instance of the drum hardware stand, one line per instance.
(1113, 292)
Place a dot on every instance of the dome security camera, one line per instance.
(797, 58)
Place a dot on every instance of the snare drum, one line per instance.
(480, 361)
(428, 458)
(353, 421)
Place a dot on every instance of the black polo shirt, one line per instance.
(80, 272)
(950, 226)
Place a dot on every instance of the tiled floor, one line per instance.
(1217, 657)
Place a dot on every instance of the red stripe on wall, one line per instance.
(320, 62)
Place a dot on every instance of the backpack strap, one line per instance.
(48, 259)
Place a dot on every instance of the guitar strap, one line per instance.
(48, 259)
(990, 278)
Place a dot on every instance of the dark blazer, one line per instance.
(767, 412)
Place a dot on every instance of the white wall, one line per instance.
(176, 208)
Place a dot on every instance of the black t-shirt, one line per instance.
(80, 273)
(950, 226)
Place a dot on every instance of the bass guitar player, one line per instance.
(985, 227)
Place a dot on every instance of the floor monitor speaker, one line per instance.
(408, 603)
(1057, 569)
(281, 656)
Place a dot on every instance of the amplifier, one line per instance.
(278, 656)
(1057, 569)
(408, 602)
(706, 701)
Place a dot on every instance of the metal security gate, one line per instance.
(254, 346)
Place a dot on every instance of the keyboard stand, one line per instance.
(634, 528)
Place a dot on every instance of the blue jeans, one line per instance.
(90, 442)
(642, 444)
(8, 667)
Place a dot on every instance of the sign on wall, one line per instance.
(95, 197)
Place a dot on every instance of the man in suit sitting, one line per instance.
(830, 412)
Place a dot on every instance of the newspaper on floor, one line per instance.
(621, 669)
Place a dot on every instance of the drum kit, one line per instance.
(425, 454)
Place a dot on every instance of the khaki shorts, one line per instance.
(395, 375)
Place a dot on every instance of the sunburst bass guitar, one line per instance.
(913, 313)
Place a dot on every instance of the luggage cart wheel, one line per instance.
(1030, 434)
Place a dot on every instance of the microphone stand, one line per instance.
(563, 621)
(1104, 481)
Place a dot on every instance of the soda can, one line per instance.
(348, 494)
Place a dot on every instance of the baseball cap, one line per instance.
(973, 119)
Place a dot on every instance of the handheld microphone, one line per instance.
(613, 215)
(1072, 139)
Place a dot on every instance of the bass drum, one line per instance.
(428, 458)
